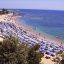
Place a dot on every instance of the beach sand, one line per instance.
(46, 61)
(43, 36)
(1, 39)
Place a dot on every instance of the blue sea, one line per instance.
(48, 21)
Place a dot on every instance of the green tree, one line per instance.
(12, 51)
(34, 56)
(4, 11)
(8, 50)
(60, 52)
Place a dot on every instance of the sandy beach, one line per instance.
(47, 61)
(43, 36)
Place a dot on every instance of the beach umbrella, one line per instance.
(55, 51)
(43, 51)
(30, 44)
(40, 49)
(48, 52)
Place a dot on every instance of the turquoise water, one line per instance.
(48, 21)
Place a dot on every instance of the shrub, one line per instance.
(62, 61)
(14, 52)
(34, 56)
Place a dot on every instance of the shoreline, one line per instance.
(43, 36)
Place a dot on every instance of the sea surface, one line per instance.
(48, 21)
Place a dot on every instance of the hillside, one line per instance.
(4, 11)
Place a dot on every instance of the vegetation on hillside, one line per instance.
(4, 11)
(14, 52)
(59, 57)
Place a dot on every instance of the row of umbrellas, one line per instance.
(7, 28)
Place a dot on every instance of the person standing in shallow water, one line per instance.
(39, 34)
